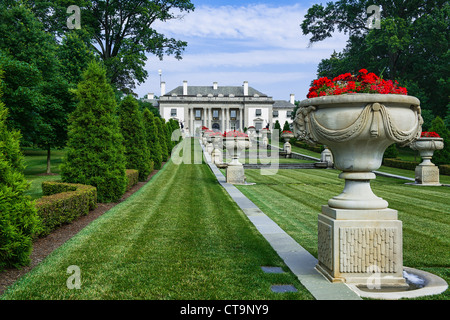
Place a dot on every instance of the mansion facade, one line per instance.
(221, 108)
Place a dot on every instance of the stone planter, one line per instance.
(216, 155)
(235, 170)
(287, 136)
(358, 234)
(426, 172)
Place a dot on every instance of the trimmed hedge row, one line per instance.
(445, 169)
(132, 177)
(401, 164)
(62, 203)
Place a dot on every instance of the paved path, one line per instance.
(299, 261)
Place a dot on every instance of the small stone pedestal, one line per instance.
(427, 175)
(361, 247)
(235, 174)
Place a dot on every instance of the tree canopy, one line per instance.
(121, 32)
(411, 45)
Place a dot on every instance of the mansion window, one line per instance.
(288, 114)
(258, 112)
(215, 114)
(258, 126)
(233, 114)
(275, 114)
(198, 114)
(173, 112)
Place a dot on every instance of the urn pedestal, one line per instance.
(235, 171)
(426, 173)
(359, 237)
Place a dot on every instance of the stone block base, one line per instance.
(235, 174)
(361, 247)
(427, 175)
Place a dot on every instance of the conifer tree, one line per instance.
(19, 220)
(95, 152)
(137, 155)
(162, 136)
(152, 138)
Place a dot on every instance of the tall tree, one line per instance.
(95, 152)
(35, 91)
(121, 32)
(137, 154)
(152, 138)
(19, 221)
(411, 45)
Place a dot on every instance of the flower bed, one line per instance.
(363, 82)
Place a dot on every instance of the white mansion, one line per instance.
(221, 108)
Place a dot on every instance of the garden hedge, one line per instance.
(445, 169)
(133, 177)
(401, 164)
(63, 203)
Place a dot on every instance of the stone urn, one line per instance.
(357, 231)
(264, 139)
(287, 136)
(216, 154)
(427, 173)
(209, 143)
(234, 144)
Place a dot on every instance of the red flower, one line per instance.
(430, 134)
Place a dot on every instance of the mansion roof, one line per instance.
(225, 91)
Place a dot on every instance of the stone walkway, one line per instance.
(299, 261)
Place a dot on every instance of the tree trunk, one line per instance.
(48, 160)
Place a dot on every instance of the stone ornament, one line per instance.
(427, 173)
(359, 237)
(358, 128)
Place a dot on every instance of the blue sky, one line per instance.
(235, 41)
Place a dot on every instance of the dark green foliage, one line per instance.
(401, 164)
(411, 45)
(133, 131)
(154, 146)
(63, 203)
(444, 169)
(162, 136)
(132, 178)
(18, 217)
(391, 152)
(95, 152)
(286, 126)
(441, 156)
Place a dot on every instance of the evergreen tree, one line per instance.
(286, 126)
(95, 152)
(162, 136)
(18, 216)
(152, 138)
(133, 131)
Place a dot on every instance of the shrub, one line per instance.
(401, 164)
(95, 152)
(391, 152)
(62, 203)
(152, 138)
(445, 169)
(137, 155)
(19, 221)
(132, 177)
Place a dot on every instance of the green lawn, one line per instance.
(36, 166)
(179, 237)
(293, 198)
